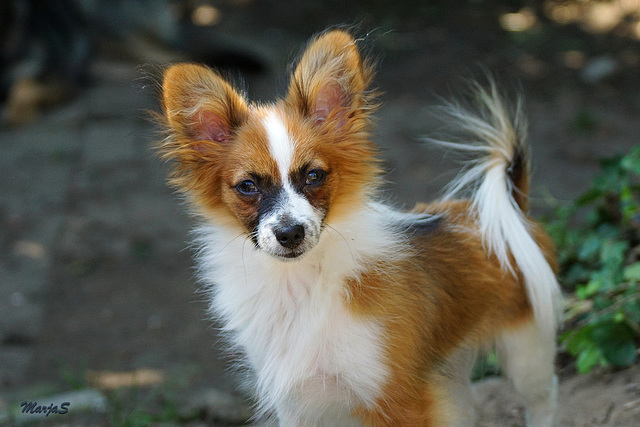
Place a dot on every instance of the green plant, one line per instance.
(486, 366)
(598, 241)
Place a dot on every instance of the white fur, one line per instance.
(292, 208)
(527, 358)
(504, 226)
(454, 380)
(309, 352)
(281, 145)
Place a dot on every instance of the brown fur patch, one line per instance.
(432, 304)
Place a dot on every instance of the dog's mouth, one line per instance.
(286, 254)
(291, 255)
(279, 252)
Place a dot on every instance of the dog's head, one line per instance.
(281, 171)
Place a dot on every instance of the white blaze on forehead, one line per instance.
(281, 145)
(291, 207)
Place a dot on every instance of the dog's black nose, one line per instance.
(290, 236)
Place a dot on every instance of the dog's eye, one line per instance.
(247, 187)
(315, 177)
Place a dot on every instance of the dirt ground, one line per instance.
(118, 291)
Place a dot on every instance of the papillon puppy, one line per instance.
(347, 311)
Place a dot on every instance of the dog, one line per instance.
(348, 311)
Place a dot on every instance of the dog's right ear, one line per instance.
(201, 110)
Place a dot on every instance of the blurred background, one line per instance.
(97, 295)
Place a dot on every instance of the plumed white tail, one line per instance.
(497, 183)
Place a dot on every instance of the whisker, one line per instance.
(200, 248)
(244, 267)
(343, 238)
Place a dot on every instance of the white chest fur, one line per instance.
(308, 351)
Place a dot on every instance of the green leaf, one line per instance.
(622, 354)
(629, 211)
(632, 312)
(589, 359)
(631, 162)
(578, 340)
(608, 231)
(589, 197)
(612, 256)
(589, 248)
(588, 290)
(631, 273)
(626, 194)
(616, 343)
(577, 273)
(613, 252)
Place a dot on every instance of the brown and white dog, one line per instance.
(350, 312)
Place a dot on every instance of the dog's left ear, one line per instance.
(329, 83)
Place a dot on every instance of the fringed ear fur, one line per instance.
(329, 83)
(200, 106)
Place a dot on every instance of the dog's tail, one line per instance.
(497, 180)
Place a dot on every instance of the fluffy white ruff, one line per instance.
(291, 319)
